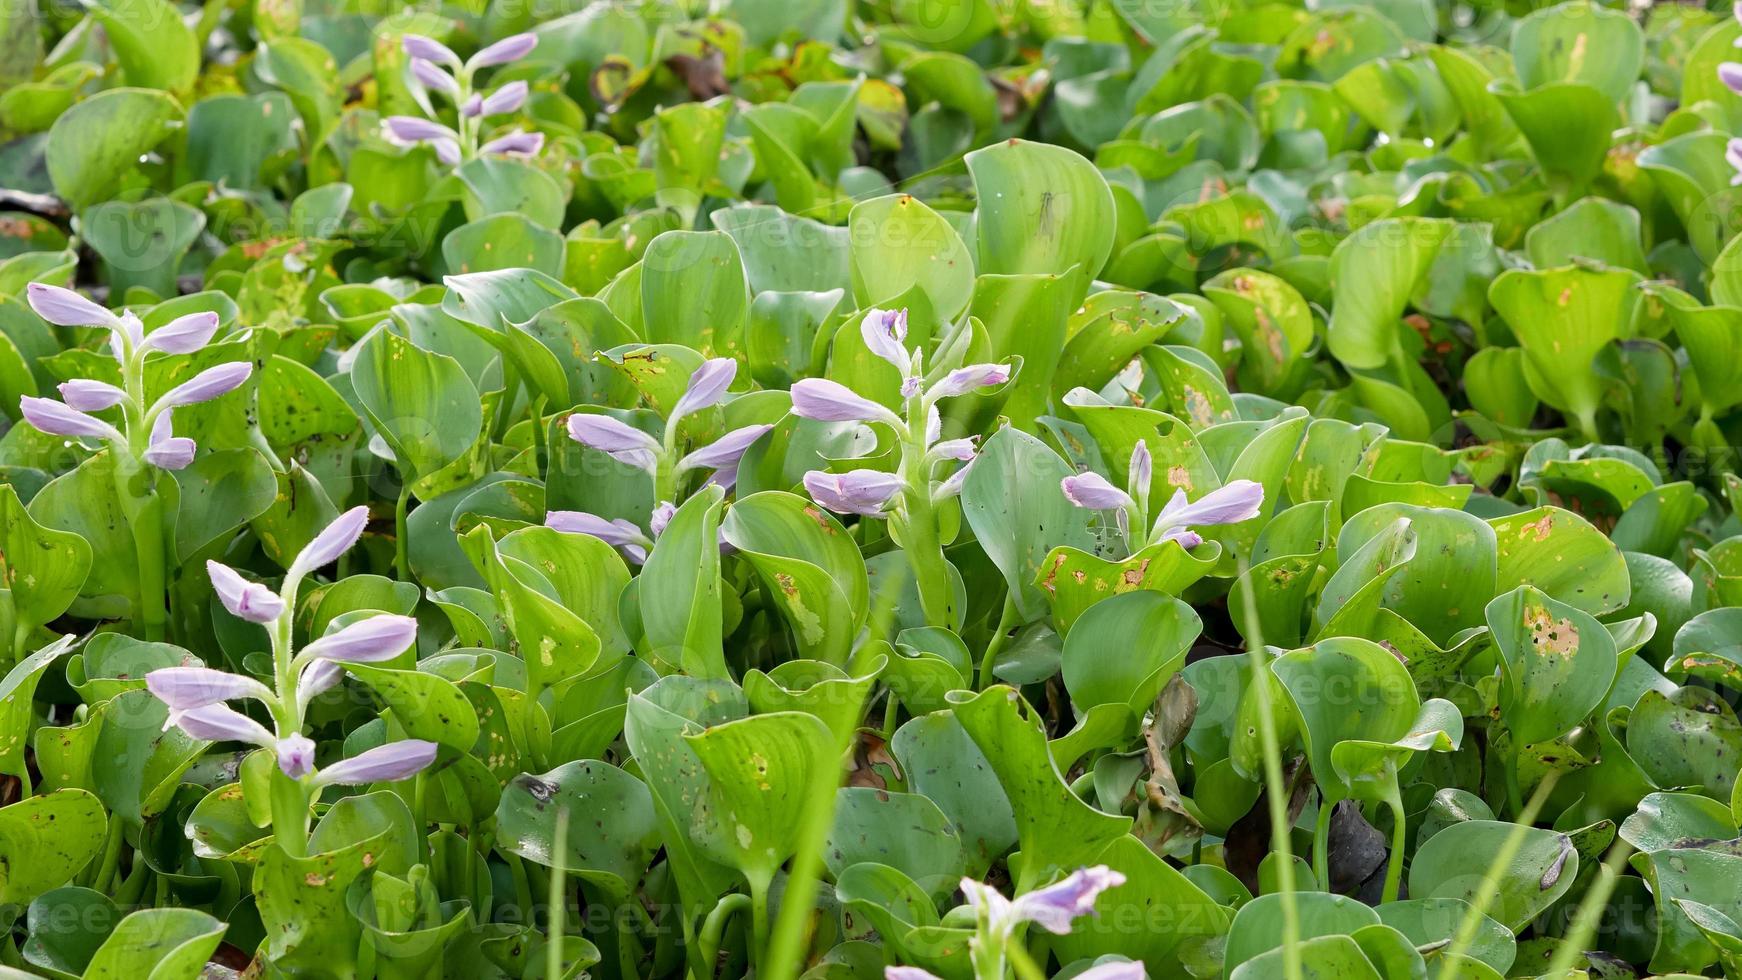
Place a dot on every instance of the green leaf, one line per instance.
(421, 403)
(97, 142)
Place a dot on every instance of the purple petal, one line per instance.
(707, 386)
(382, 764)
(1092, 491)
(167, 450)
(1733, 154)
(57, 419)
(953, 486)
(1053, 907)
(959, 449)
(317, 679)
(328, 545)
(296, 756)
(982, 897)
(187, 688)
(616, 533)
(517, 142)
(661, 517)
(413, 129)
(184, 334)
(907, 973)
(129, 335)
(831, 401)
(1142, 468)
(1730, 73)
(430, 49)
(1128, 970)
(884, 331)
(508, 98)
(446, 150)
(246, 600)
(1187, 539)
(66, 308)
(221, 723)
(724, 452)
(502, 52)
(85, 395)
(213, 382)
(865, 492)
(473, 107)
(1239, 501)
(965, 379)
(432, 77)
(374, 639)
(606, 434)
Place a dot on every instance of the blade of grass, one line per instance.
(1490, 885)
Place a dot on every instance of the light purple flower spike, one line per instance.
(328, 545)
(1730, 73)
(86, 395)
(1092, 491)
(184, 334)
(707, 386)
(430, 76)
(430, 49)
(965, 379)
(186, 688)
(1238, 501)
(374, 639)
(504, 51)
(246, 600)
(624, 442)
(508, 98)
(724, 452)
(167, 450)
(1055, 906)
(57, 419)
(221, 723)
(213, 382)
(296, 756)
(884, 332)
(831, 401)
(382, 764)
(865, 492)
(516, 143)
(65, 308)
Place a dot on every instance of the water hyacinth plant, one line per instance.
(848, 491)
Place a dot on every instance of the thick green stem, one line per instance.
(401, 542)
(143, 507)
(1399, 837)
(1006, 622)
(714, 929)
(1322, 843)
(759, 927)
(925, 552)
(290, 812)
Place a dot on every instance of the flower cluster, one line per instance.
(627, 444)
(435, 68)
(874, 493)
(1052, 908)
(1239, 500)
(147, 433)
(197, 696)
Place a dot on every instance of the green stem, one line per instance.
(105, 879)
(401, 543)
(1399, 837)
(759, 927)
(144, 511)
(714, 928)
(290, 813)
(1322, 842)
(554, 939)
(925, 551)
(1006, 622)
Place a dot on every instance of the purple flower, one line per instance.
(1239, 501)
(958, 449)
(515, 143)
(221, 723)
(377, 638)
(246, 600)
(661, 517)
(315, 680)
(57, 419)
(617, 533)
(508, 98)
(907, 973)
(429, 49)
(624, 442)
(296, 756)
(187, 688)
(504, 51)
(707, 386)
(184, 334)
(382, 764)
(1125, 970)
(213, 382)
(473, 107)
(884, 331)
(1730, 73)
(415, 129)
(328, 545)
(85, 395)
(65, 308)
(167, 450)
(724, 452)
(952, 486)
(831, 401)
(1141, 470)
(1733, 154)
(1092, 491)
(865, 492)
(965, 379)
(432, 77)
(1053, 907)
